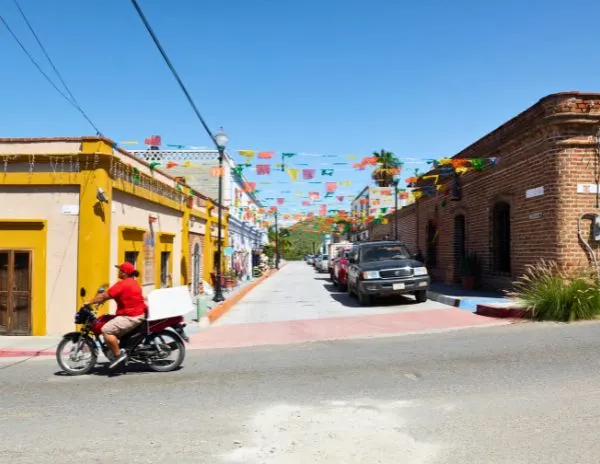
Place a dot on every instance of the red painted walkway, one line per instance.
(299, 331)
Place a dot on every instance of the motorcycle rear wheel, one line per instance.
(63, 359)
(173, 345)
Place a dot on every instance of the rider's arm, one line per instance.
(99, 298)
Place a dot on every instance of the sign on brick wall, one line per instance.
(534, 192)
(587, 188)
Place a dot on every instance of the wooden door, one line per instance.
(15, 292)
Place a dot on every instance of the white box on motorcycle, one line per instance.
(169, 302)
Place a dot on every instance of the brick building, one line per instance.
(525, 208)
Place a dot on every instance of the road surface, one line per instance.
(524, 393)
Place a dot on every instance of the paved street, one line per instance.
(525, 393)
(297, 305)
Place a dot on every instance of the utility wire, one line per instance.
(173, 71)
(39, 42)
(71, 100)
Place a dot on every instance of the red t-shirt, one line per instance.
(129, 298)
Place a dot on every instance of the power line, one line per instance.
(39, 42)
(72, 101)
(172, 68)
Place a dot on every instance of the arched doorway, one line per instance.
(196, 260)
(460, 243)
(431, 233)
(501, 237)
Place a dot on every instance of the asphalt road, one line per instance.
(525, 393)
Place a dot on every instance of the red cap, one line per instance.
(126, 268)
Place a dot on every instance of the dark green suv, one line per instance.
(385, 269)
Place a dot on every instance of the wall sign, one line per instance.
(587, 188)
(70, 210)
(537, 215)
(535, 192)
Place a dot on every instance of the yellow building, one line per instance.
(73, 208)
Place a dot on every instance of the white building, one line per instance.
(200, 170)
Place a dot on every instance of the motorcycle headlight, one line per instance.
(420, 271)
(369, 275)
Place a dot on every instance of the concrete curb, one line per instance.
(503, 312)
(444, 299)
(219, 310)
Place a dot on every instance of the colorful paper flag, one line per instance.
(263, 169)
(247, 153)
(293, 173)
(265, 155)
(216, 171)
(308, 174)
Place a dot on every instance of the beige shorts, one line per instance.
(120, 325)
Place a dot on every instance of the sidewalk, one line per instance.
(483, 303)
(29, 346)
(464, 299)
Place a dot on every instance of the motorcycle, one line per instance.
(152, 343)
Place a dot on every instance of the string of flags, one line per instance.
(439, 181)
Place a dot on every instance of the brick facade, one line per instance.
(553, 145)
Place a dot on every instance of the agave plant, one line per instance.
(387, 166)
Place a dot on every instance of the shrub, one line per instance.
(554, 294)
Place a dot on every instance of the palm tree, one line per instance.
(388, 166)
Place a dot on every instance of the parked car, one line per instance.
(316, 261)
(322, 265)
(385, 268)
(340, 269)
(310, 259)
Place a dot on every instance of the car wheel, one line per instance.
(364, 300)
(421, 296)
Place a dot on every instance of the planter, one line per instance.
(229, 282)
(468, 282)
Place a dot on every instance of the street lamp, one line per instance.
(395, 223)
(276, 241)
(221, 140)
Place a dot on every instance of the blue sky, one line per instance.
(422, 79)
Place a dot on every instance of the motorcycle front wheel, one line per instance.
(169, 351)
(76, 356)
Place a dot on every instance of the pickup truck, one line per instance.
(385, 269)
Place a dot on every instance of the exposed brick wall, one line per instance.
(551, 144)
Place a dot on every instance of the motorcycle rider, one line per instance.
(131, 310)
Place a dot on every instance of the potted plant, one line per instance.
(230, 279)
(469, 271)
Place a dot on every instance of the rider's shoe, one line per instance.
(122, 357)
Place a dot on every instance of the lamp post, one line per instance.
(221, 140)
(395, 224)
(276, 241)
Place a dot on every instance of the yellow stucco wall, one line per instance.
(97, 242)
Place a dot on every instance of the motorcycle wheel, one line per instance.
(168, 342)
(63, 358)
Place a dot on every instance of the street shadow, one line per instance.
(343, 297)
(101, 370)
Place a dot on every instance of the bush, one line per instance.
(556, 295)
